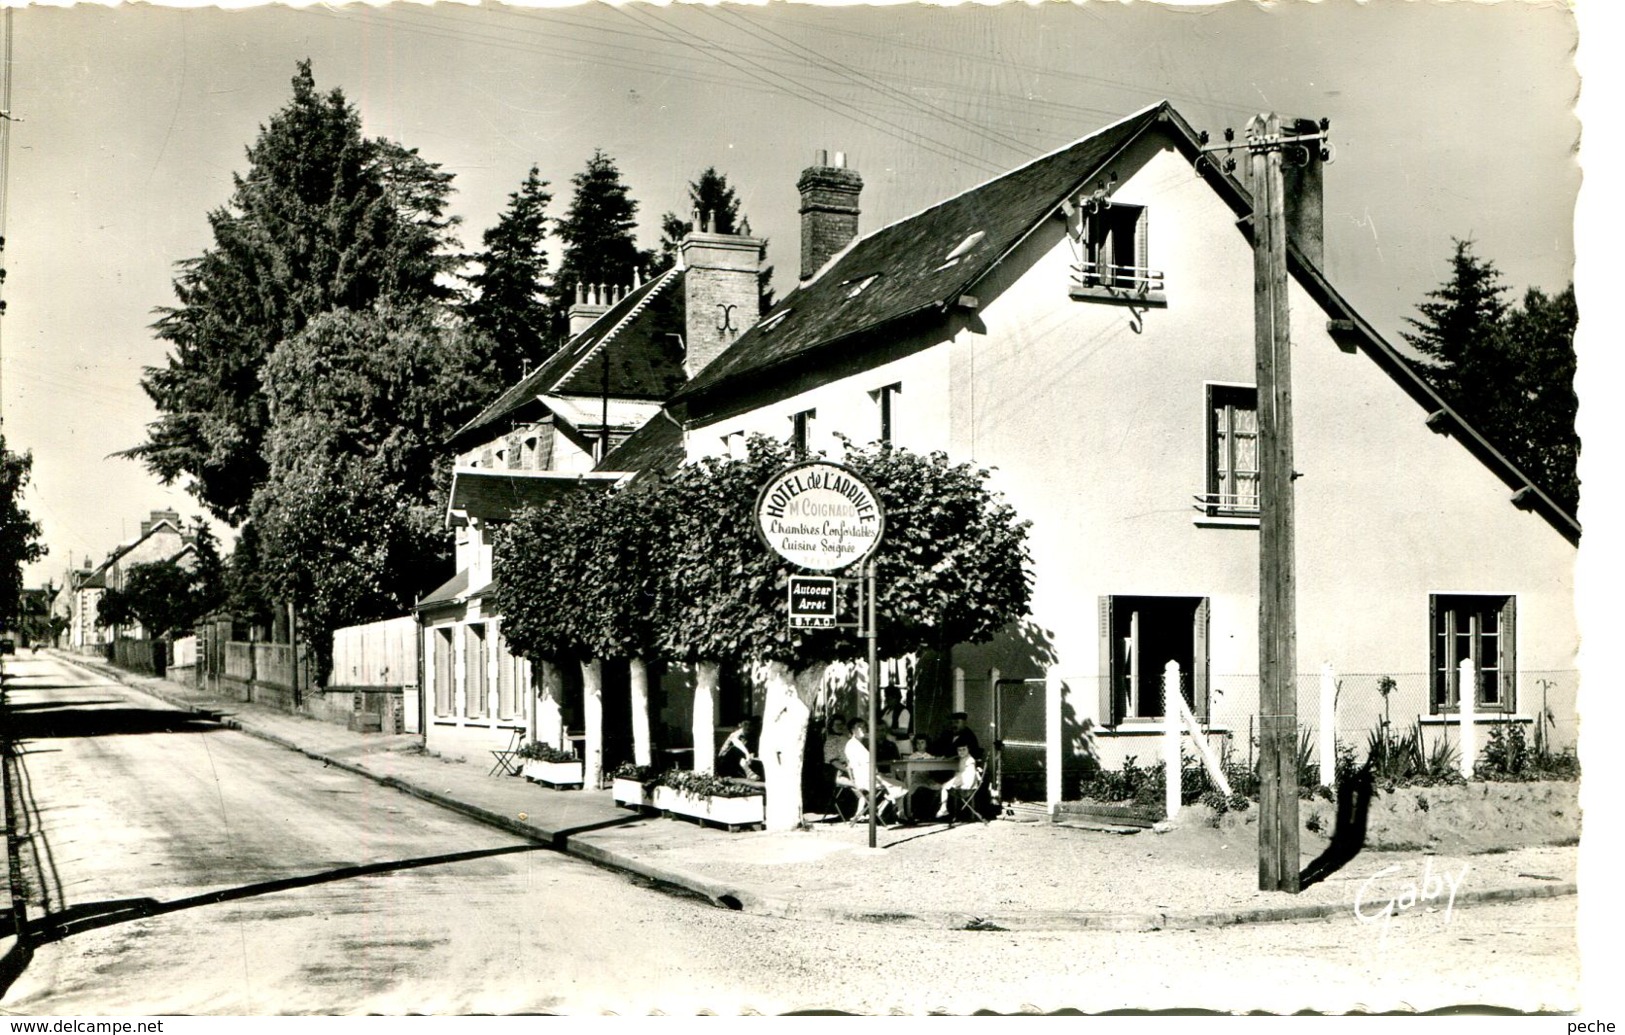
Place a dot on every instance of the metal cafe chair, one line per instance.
(505, 763)
(961, 798)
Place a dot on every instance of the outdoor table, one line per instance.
(913, 771)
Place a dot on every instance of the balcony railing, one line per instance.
(1112, 282)
(1227, 504)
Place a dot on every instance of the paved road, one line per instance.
(193, 869)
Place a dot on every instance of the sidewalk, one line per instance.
(1002, 875)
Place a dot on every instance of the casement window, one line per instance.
(1111, 252)
(886, 405)
(734, 446)
(1482, 627)
(1138, 637)
(801, 430)
(445, 686)
(1232, 453)
(475, 682)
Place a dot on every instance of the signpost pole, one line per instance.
(874, 687)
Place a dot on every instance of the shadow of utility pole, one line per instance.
(1348, 833)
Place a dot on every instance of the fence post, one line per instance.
(1466, 701)
(1053, 735)
(1328, 725)
(1171, 761)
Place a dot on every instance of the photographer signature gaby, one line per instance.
(1431, 888)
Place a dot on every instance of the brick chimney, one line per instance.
(829, 210)
(721, 293)
(592, 301)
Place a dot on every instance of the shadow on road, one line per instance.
(72, 722)
(41, 706)
(90, 916)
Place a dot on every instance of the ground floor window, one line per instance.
(1138, 637)
(1480, 627)
(445, 687)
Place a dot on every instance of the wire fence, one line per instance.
(1013, 713)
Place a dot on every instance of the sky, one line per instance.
(1449, 120)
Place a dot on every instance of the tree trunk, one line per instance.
(785, 711)
(707, 677)
(638, 679)
(592, 713)
(549, 698)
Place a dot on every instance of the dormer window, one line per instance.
(1110, 251)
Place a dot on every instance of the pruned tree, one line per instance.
(164, 597)
(511, 303)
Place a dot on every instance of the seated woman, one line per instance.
(964, 778)
(857, 761)
(736, 758)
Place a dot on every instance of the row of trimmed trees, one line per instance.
(674, 570)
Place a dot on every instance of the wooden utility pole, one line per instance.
(1268, 147)
(1277, 582)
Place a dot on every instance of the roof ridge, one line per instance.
(834, 259)
(638, 307)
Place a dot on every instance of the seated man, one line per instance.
(835, 743)
(957, 733)
(857, 763)
(964, 778)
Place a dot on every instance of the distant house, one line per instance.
(629, 350)
(1083, 326)
(162, 538)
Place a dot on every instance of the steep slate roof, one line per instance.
(821, 324)
(654, 449)
(644, 361)
(909, 258)
(446, 592)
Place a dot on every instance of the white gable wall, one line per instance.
(1094, 418)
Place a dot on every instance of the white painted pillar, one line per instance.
(1171, 761)
(1054, 739)
(707, 677)
(1328, 725)
(1466, 703)
(959, 689)
(638, 679)
(550, 715)
(592, 714)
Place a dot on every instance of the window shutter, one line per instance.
(1108, 696)
(1437, 680)
(1142, 254)
(1199, 662)
(1509, 654)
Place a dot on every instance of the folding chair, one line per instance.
(960, 798)
(505, 763)
(844, 782)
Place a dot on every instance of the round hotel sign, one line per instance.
(819, 515)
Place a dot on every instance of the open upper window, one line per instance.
(1110, 247)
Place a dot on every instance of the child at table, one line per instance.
(964, 778)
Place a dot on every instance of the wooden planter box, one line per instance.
(554, 774)
(631, 793)
(732, 813)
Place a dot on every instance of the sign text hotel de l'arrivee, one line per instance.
(820, 516)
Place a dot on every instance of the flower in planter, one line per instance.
(704, 785)
(536, 751)
(644, 774)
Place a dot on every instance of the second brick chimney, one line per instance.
(721, 293)
(829, 210)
